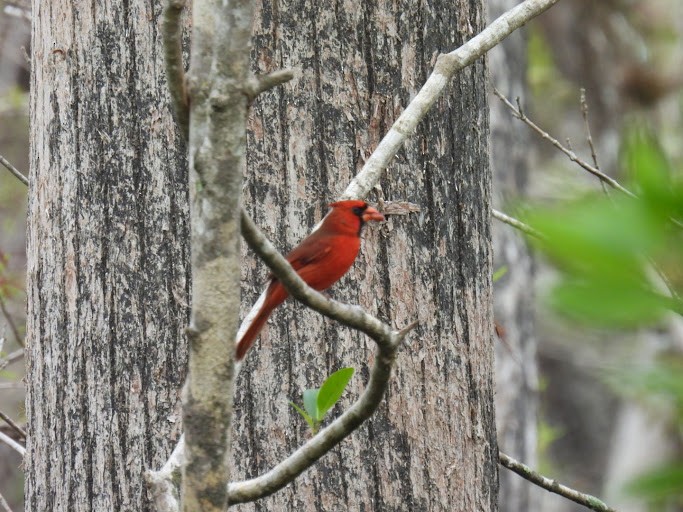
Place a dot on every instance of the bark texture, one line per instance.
(432, 444)
(516, 367)
(108, 258)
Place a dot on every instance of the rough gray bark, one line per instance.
(432, 444)
(108, 272)
(516, 368)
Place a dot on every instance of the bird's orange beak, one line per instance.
(370, 214)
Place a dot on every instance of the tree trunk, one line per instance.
(108, 262)
(432, 444)
(516, 369)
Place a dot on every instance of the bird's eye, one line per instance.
(358, 210)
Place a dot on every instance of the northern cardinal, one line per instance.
(321, 259)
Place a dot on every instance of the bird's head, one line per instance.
(353, 214)
(360, 209)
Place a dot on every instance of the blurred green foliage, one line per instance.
(609, 246)
(620, 264)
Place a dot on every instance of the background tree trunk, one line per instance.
(516, 367)
(432, 445)
(108, 262)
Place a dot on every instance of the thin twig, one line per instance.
(518, 112)
(447, 65)
(10, 321)
(515, 223)
(11, 358)
(12, 424)
(175, 72)
(587, 126)
(554, 486)
(13, 170)
(258, 84)
(4, 504)
(589, 136)
(11, 385)
(12, 444)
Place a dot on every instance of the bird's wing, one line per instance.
(310, 251)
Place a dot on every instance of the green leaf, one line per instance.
(661, 483)
(648, 165)
(608, 303)
(311, 403)
(597, 236)
(500, 273)
(305, 416)
(332, 389)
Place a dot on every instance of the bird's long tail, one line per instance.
(254, 322)
(248, 338)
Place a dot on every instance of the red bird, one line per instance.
(321, 260)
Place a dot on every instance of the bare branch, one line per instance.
(12, 444)
(11, 385)
(548, 484)
(257, 85)
(11, 358)
(12, 424)
(518, 112)
(13, 170)
(163, 485)
(587, 126)
(447, 65)
(4, 504)
(388, 342)
(10, 321)
(172, 32)
(515, 223)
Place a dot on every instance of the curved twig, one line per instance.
(518, 112)
(554, 486)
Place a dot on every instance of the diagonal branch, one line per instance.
(516, 223)
(447, 65)
(12, 444)
(388, 342)
(11, 357)
(13, 170)
(12, 325)
(548, 484)
(13, 425)
(518, 112)
(4, 504)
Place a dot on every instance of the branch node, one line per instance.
(258, 84)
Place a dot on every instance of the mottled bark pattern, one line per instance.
(108, 262)
(432, 444)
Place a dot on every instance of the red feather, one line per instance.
(321, 260)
